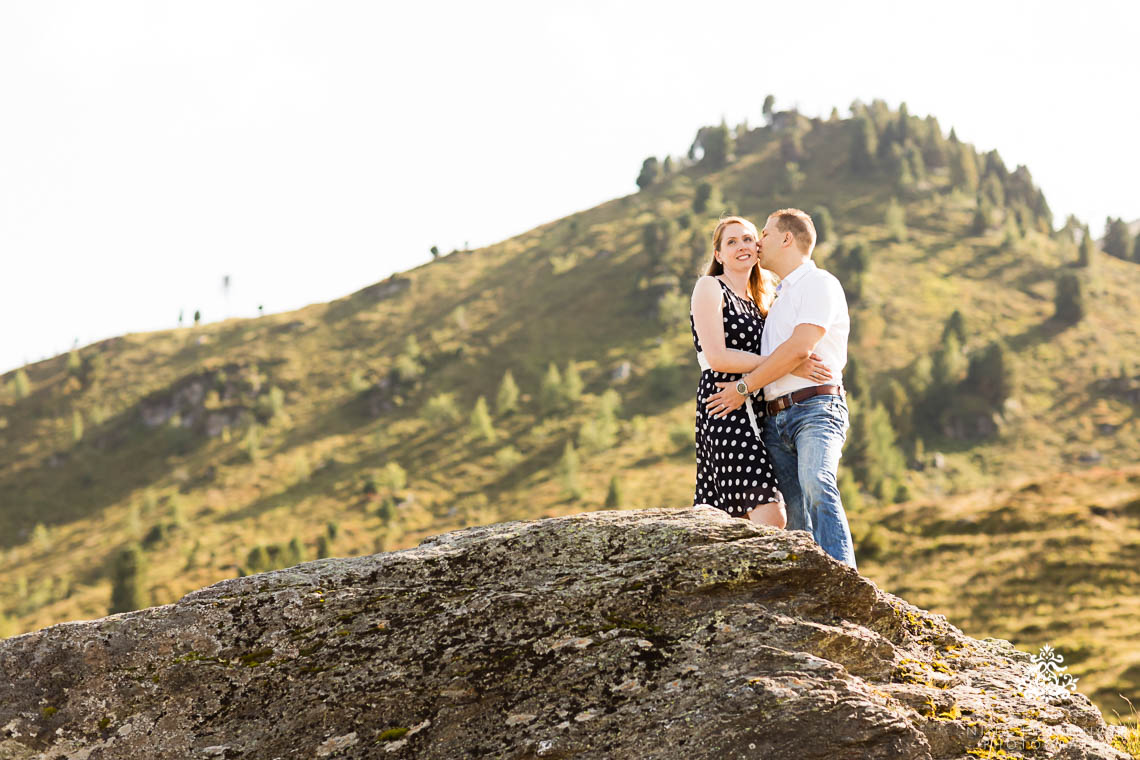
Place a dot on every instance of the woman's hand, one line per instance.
(813, 368)
(724, 402)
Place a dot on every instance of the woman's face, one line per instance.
(738, 250)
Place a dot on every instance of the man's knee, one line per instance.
(820, 487)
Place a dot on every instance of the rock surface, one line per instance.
(656, 633)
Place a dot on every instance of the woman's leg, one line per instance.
(772, 513)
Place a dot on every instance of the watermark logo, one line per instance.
(1046, 676)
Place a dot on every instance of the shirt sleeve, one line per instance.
(820, 302)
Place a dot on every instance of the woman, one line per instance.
(727, 314)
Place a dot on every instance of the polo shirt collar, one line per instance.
(796, 274)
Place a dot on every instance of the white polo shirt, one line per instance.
(808, 295)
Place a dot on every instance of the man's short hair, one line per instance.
(798, 223)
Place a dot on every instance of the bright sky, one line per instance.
(308, 149)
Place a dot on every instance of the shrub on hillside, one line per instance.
(441, 409)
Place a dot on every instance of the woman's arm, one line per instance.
(788, 357)
(706, 305)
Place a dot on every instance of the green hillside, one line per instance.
(993, 476)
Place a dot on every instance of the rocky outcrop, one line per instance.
(658, 633)
(240, 386)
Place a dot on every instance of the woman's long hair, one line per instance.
(761, 283)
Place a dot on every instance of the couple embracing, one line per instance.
(771, 409)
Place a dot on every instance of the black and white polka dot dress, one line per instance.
(734, 472)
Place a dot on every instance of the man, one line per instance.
(805, 424)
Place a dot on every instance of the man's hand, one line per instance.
(724, 402)
(813, 368)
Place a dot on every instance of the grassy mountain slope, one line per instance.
(206, 442)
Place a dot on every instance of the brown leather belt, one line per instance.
(803, 394)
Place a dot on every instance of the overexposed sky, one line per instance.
(308, 149)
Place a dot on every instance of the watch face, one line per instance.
(742, 387)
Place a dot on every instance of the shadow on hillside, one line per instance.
(1040, 333)
(112, 461)
(344, 418)
(511, 480)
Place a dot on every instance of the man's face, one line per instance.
(769, 242)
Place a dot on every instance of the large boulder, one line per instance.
(655, 633)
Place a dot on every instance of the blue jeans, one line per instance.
(805, 442)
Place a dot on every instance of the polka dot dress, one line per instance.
(734, 472)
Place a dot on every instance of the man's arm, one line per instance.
(787, 356)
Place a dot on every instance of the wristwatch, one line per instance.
(742, 387)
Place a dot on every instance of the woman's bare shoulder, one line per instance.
(706, 282)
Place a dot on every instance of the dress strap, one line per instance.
(724, 285)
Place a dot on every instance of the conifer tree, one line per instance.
(615, 499)
(1136, 249)
(875, 456)
(1087, 253)
(856, 266)
(550, 394)
(935, 152)
(852, 379)
(896, 221)
(76, 426)
(992, 189)
(659, 237)
(898, 405)
(864, 144)
(667, 166)
(572, 383)
(1116, 238)
(650, 170)
(701, 197)
(990, 375)
(323, 548)
(769, 107)
(904, 177)
(601, 432)
(715, 144)
(481, 421)
(387, 509)
(508, 399)
(128, 578)
(919, 374)
(258, 559)
(821, 218)
(963, 166)
(903, 128)
(297, 552)
(956, 325)
(1069, 303)
(915, 163)
(983, 217)
(568, 469)
(21, 383)
(948, 366)
(435, 251)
